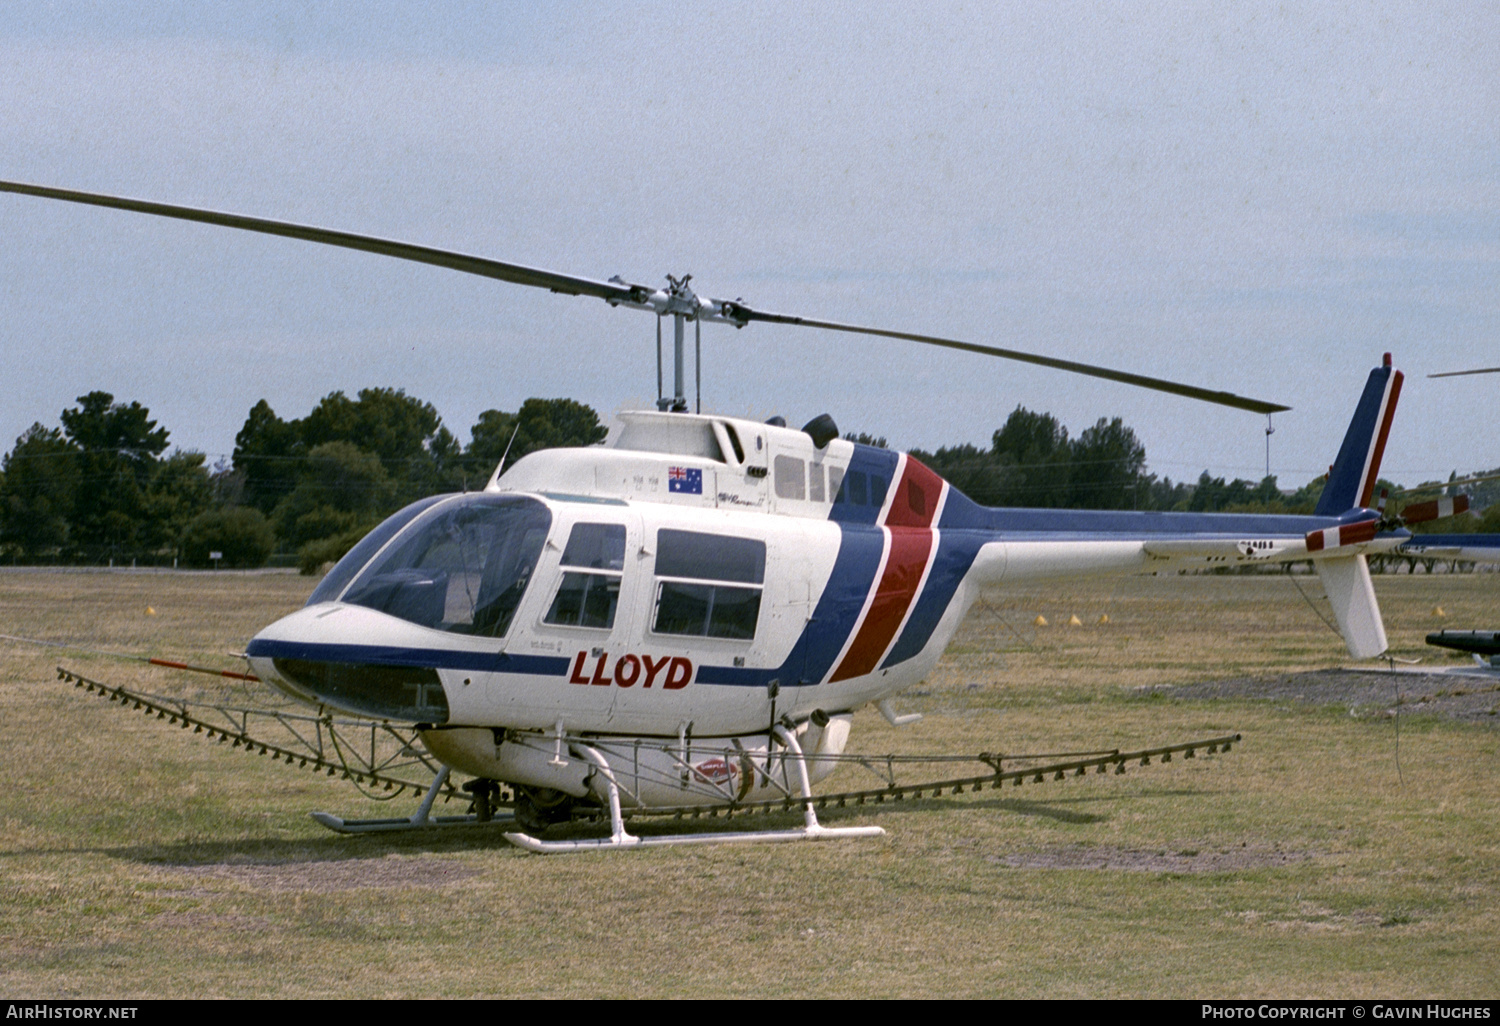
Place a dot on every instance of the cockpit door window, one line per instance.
(589, 595)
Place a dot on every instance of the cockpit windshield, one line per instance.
(461, 566)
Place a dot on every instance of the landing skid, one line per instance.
(812, 833)
(619, 837)
(385, 826)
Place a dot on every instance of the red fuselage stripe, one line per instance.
(897, 590)
(914, 504)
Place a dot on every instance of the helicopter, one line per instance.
(690, 613)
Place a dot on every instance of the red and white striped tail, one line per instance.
(1421, 512)
(1347, 534)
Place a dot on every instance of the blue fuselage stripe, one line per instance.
(955, 554)
(870, 465)
(396, 655)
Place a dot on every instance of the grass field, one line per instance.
(1335, 853)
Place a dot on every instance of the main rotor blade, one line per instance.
(1456, 374)
(740, 311)
(610, 291)
(516, 273)
(1445, 484)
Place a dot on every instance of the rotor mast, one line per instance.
(682, 305)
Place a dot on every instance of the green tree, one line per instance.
(539, 424)
(976, 472)
(242, 534)
(1106, 465)
(120, 445)
(342, 489)
(180, 490)
(400, 430)
(38, 491)
(267, 453)
(1036, 445)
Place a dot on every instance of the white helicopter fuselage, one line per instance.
(842, 584)
(640, 664)
(700, 577)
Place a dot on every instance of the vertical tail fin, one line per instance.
(1351, 481)
(1351, 485)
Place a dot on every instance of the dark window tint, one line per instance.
(710, 557)
(855, 485)
(596, 546)
(916, 499)
(707, 610)
(344, 571)
(586, 600)
(877, 490)
(462, 567)
(835, 482)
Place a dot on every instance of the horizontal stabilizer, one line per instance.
(1346, 579)
(1347, 534)
(1236, 549)
(1470, 548)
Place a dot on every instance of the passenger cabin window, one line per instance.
(835, 480)
(859, 488)
(589, 596)
(815, 482)
(708, 585)
(862, 489)
(791, 478)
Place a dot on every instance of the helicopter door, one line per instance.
(588, 612)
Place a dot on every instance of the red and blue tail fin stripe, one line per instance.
(1351, 481)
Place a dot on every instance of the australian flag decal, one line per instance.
(687, 480)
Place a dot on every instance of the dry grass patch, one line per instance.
(1321, 858)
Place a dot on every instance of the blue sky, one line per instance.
(1253, 198)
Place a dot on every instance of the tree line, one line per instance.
(1033, 461)
(103, 487)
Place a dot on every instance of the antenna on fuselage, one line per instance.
(513, 433)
